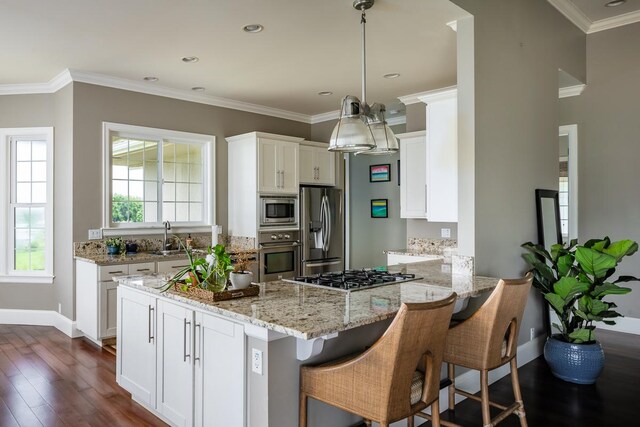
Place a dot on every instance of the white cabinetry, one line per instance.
(96, 296)
(136, 355)
(413, 203)
(175, 363)
(429, 174)
(185, 365)
(258, 163)
(317, 164)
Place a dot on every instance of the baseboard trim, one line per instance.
(65, 325)
(629, 325)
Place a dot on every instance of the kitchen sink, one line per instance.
(169, 252)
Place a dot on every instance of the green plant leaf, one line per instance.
(609, 289)
(555, 325)
(621, 248)
(537, 249)
(622, 279)
(556, 250)
(556, 301)
(581, 335)
(593, 262)
(598, 307)
(569, 287)
(609, 322)
(565, 263)
(581, 314)
(598, 244)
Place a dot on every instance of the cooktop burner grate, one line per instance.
(354, 280)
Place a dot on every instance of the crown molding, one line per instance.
(52, 86)
(572, 13)
(398, 120)
(325, 117)
(569, 91)
(614, 22)
(582, 21)
(453, 25)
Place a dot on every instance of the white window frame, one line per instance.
(209, 184)
(571, 131)
(7, 273)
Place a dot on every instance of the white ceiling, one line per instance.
(306, 46)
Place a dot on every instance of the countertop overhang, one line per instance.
(103, 259)
(308, 312)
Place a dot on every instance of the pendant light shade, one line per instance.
(351, 134)
(383, 137)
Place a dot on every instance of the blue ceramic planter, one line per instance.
(576, 363)
(113, 250)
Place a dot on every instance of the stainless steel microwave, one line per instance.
(278, 211)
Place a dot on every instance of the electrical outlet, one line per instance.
(95, 234)
(445, 233)
(256, 361)
(532, 333)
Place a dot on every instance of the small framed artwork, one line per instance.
(379, 208)
(380, 173)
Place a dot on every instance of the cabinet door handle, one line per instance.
(151, 309)
(198, 338)
(184, 332)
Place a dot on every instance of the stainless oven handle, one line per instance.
(322, 264)
(289, 245)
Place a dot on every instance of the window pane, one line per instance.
(182, 192)
(22, 239)
(168, 211)
(151, 151)
(23, 151)
(168, 152)
(151, 170)
(195, 212)
(169, 171)
(182, 153)
(37, 217)
(23, 171)
(196, 173)
(182, 211)
(195, 192)
(39, 171)
(182, 172)
(39, 194)
(37, 260)
(120, 190)
(151, 212)
(150, 191)
(136, 190)
(195, 153)
(168, 192)
(23, 193)
(22, 218)
(39, 150)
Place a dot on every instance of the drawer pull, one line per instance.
(115, 272)
(142, 269)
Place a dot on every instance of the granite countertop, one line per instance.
(308, 312)
(138, 257)
(413, 252)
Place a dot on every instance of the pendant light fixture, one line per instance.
(362, 129)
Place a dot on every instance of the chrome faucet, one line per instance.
(166, 243)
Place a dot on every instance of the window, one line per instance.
(26, 216)
(156, 175)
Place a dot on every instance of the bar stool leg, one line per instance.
(435, 413)
(515, 382)
(410, 421)
(484, 396)
(452, 388)
(303, 410)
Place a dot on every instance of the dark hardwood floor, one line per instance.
(48, 379)
(613, 401)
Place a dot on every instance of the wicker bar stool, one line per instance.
(382, 384)
(488, 340)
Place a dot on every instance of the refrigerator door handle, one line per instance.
(327, 219)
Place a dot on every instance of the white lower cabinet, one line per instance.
(186, 365)
(219, 372)
(136, 343)
(175, 363)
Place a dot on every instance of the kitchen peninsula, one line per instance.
(237, 362)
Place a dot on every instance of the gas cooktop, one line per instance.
(353, 280)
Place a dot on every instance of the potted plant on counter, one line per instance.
(574, 279)
(114, 245)
(241, 276)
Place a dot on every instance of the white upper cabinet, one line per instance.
(317, 164)
(288, 166)
(413, 175)
(268, 169)
(429, 162)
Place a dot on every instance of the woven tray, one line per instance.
(202, 294)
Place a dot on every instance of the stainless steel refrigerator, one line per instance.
(322, 230)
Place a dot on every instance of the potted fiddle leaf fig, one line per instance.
(575, 280)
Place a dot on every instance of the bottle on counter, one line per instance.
(189, 242)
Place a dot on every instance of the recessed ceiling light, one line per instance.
(325, 93)
(391, 76)
(151, 79)
(252, 28)
(198, 89)
(615, 3)
(189, 59)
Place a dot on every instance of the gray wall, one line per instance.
(609, 146)
(27, 111)
(519, 46)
